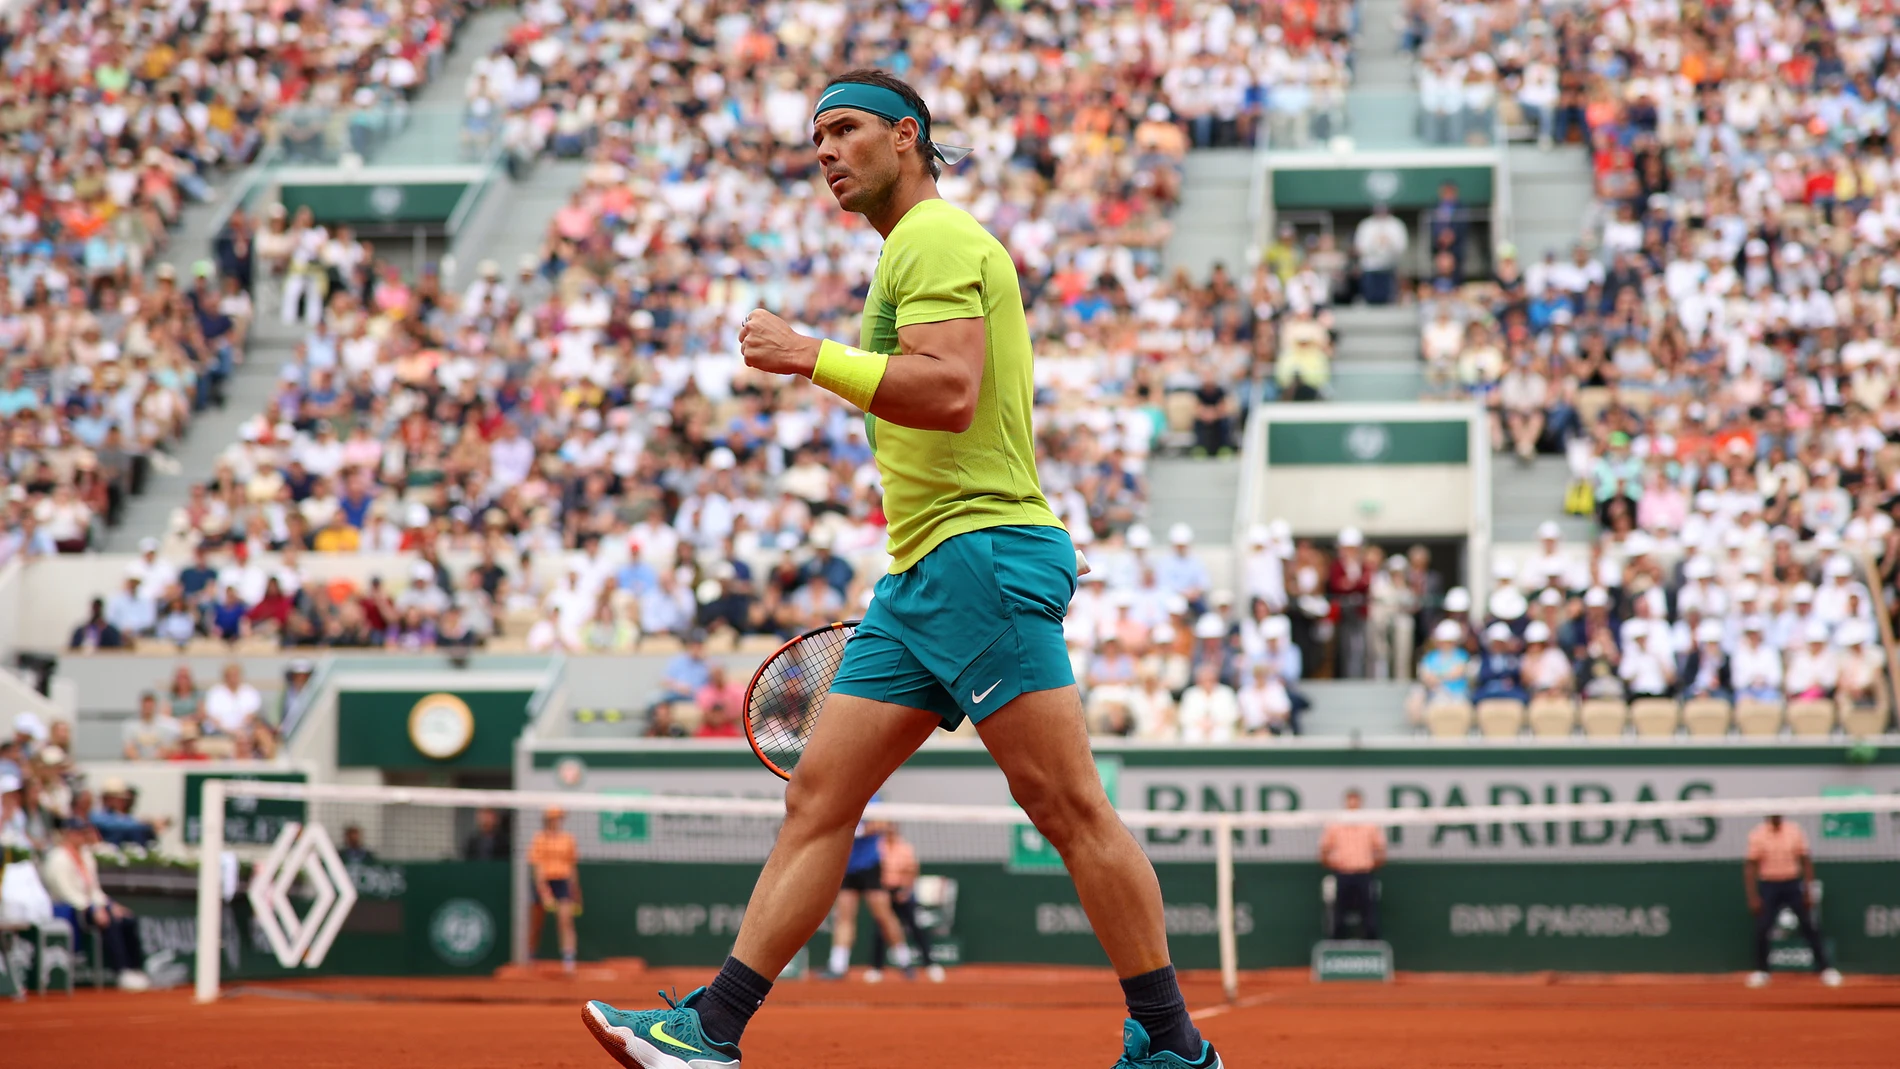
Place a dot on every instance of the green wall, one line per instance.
(389, 202)
(1687, 917)
(1401, 187)
(373, 729)
(1378, 442)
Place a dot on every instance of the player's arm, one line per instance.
(931, 385)
(1750, 883)
(1378, 849)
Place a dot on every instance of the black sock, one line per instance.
(731, 1000)
(1155, 1002)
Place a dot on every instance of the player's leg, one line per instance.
(1039, 742)
(1804, 922)
(564, 923)
(1764, 929)
(856, 745)
(904, 904)
(537, 923)
(844, 932)
(884, 919)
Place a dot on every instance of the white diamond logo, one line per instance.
(301, 850)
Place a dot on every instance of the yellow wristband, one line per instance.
(851, 373)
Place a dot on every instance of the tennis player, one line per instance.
(969, 621)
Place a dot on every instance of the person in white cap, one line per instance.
(1264, 567)
(1444, 673)
(1756, 668)
(1181, 572)
(1457, 611)
(1390, 620)
(1813, 668)
(29, 734)
(1549, 561)
(1647, 665)
(1705, 669)
(1862, 666)
(1840, 593)
(154, 573)
(1349, 587)
(1546, 671)
(1501, 667)
(1210, 709)
(1506, 603)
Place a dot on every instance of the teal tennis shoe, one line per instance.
(659, 1039)
(1135, 1054)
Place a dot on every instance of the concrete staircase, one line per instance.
(272, 342)
(1200, 492)
(1344, 708)
(1213, 223)
(512, 218)
(1378, 64)
(1376, 357)
(1551, 199)
(1525, 495)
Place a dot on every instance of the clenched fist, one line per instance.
(769, 344)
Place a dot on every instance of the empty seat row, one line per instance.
(1653, 718)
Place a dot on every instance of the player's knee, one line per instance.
(815, 806)
(1062, 813)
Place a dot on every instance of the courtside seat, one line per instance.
(1604, 718)
(661, 644)
(1179, 407)
(1553, 718)
(1707, 718)
(1655, 718)
(1758, 720)
(1500, 718)
(1860, 722)
(1448, 720)
(1812, 719)
(759, 645)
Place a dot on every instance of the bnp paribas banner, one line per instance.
(1254, 779)
(1624, 896)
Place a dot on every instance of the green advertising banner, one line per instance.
(1640, 917)
(441, 918)
(414, 729)
(1361, 187)
(1379, 442)
(386, 202)
(255, 821)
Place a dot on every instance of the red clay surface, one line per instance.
(984, 1018)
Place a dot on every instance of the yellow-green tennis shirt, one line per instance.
(940, 264)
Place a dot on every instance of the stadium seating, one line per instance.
(1759, 719)
(1553, 718)
(1500, 718)
(1449, 720)
(1603, 718)
(1655, 718)
(1707, 717)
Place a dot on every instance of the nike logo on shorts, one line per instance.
(977, 699)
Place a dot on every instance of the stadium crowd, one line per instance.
(56, 827)
(1714, 357)
(112, 119)
(580, 426)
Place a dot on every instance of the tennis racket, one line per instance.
(787, 692)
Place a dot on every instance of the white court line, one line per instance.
(1243, 1004)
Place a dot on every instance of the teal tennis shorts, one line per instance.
(969, 627)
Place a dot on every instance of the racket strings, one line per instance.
(783, 703)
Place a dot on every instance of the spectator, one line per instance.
(1547, 672)
(1501, 667)
(1444, 673)
(1754, 668)
(1349, 586)
(354, 851)
(1813, 671)
(1209, 711)
(233, 707)
(113, 821)
(153, 736)
(490, 840)
(1265, 706)
(72, 877)
(97, 633)
(1380, 242)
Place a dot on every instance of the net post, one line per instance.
(1224, 906)
(210, 888)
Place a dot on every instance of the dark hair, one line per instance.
(886, 80)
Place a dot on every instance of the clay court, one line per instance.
(995, 1018)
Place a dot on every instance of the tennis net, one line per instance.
(368, 880)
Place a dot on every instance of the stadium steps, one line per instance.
(1212, 222)
(1524, 496)
(426, 143)
(1551, 199)
(1343, 708)
(1375, 357)
(513, 218)
(1200, 492)
(1378, 66)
